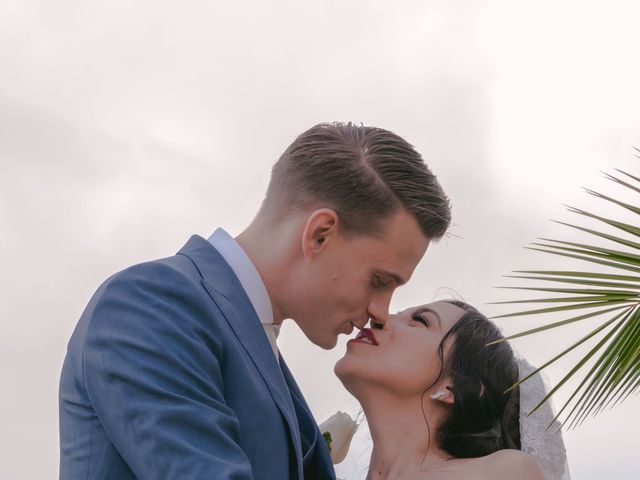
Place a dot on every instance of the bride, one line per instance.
(433, 395)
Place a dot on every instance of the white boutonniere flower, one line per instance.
(338, 430)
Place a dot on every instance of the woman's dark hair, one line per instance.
(483, 419)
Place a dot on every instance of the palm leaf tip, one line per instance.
(614, 375)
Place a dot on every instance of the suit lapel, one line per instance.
(227, 292)
(316, 455)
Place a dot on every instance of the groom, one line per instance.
(173, 371)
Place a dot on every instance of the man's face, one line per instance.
(351, 279)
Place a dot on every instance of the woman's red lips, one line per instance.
(367, 334)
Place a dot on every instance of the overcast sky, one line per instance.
(126, 127)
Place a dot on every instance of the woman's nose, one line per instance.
(393, 319)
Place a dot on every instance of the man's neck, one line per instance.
(269, 246)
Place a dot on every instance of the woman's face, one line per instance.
(403, 355)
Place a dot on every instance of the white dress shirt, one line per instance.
(250, 280)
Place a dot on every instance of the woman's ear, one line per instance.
(444, 393)
(322, 225)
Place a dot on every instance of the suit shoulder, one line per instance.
(156, 289)
(511, 463)
(169, 275)
(155, 269)
(161, 299)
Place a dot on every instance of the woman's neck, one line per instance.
(403, 436)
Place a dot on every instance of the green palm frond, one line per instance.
(609, 289)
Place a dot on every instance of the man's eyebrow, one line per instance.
(397, 278)
(426, 309)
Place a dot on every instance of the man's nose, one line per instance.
(378, 309)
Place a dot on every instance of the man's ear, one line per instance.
(322, 225)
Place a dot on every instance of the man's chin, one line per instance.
(326, 343)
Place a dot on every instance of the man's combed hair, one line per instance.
(363, 173)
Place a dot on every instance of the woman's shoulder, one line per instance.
(510, 464)
(501, 465)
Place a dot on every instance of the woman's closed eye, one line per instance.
(420, 317)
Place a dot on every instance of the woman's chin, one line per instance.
(362, 383)
(339, 369)
(349, 375)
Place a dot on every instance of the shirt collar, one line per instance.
(246, 272)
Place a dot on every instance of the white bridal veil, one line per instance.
(545, 444)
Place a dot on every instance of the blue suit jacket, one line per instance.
(169, 375)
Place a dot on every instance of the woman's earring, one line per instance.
(438, 394)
